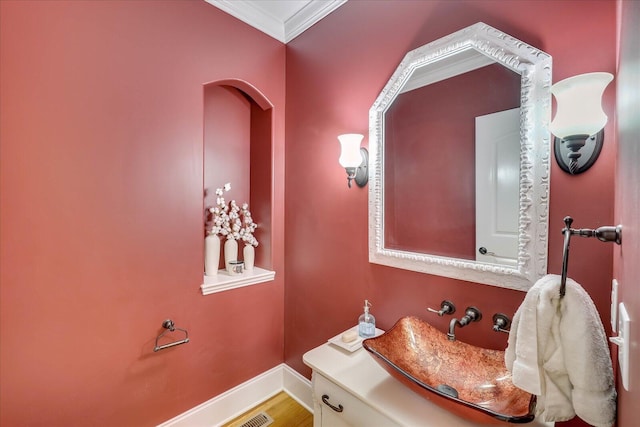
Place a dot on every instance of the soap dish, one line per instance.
(353, 345)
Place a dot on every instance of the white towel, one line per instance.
(558, 351)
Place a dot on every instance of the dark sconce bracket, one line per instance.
(360, 174)
(576, 154)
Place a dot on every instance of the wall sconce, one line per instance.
(578, 126)
(354, 159)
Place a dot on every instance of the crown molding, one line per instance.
(282, 30)
(307, 16)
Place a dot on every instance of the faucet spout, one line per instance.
(451, 335)
(472, 314)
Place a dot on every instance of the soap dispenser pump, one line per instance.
(366, 322)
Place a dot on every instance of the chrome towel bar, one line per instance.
(604, 234)
(170, 327)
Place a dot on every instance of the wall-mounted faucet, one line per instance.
(446, 307)
(471, 314)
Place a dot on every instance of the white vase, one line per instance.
(211, 254)
(230, 252)
(249, 257)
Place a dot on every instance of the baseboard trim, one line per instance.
(238, 400)
(298, 387)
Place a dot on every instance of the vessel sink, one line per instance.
(470, 381)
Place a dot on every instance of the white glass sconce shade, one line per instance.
(354, 158)
(579, 122)
(579, 105)
(350, 150)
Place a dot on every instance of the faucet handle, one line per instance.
(446, 307)
(501, 322)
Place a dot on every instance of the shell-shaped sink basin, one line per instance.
(470, 381)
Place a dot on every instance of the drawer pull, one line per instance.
(325, 400)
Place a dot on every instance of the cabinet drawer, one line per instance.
(354, 411)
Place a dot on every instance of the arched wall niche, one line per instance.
(237, 132)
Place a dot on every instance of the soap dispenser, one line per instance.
(366, 322)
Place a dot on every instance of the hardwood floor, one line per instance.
(285, 412)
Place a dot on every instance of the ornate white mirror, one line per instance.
(459, 160)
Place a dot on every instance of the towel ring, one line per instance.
(170, 327)
(604, 234)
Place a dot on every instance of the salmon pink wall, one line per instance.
(335, 71)
(101, 176)
(227, 136)
(626, 256)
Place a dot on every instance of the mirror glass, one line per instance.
(459, 160)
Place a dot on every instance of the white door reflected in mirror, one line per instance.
(497, 187)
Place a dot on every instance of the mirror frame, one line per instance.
(534, 67)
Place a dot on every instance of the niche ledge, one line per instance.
(223, 281)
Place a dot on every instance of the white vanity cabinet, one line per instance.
(368, 394)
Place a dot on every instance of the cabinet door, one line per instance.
(341, 408)
(329, 418)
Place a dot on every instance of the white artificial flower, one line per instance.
(230, 220)
(219, 217)
(248, 226)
